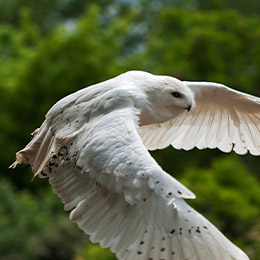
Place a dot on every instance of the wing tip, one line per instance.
(21, 160)
(14, 165)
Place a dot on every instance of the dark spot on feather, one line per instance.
(152, 247)
(186, 220)
(145, 231)
(189, 211)
(157, 182)
(150, 258)
(162, 249)
(205, 227)
(169, 193)
(139, 252)
(190, 230)
(144, 200)
(43, 174)
(142, 242)
(163, 238)
(173, 253)
(180, 232)
(198, 230)
(172, 231)
(179, 192)
(50, 169)
(77, 121)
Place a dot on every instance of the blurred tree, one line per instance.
(245, 7)
(204, 46)
(35, 227)
(93, 251)
(45, 13)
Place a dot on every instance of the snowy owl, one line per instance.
(93, 146)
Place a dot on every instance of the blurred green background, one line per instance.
(50, 48)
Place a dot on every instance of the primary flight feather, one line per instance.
(93, 148)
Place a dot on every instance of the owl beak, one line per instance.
(189, 108)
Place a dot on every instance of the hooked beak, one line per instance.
(189, 108)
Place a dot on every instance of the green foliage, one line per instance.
(245, 7)
(35, 226)
(45, 13)
(94, 251)
(204, 46)
(49, 49)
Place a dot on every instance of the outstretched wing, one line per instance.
(223, 118)
(97, 164)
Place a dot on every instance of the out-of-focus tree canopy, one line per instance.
(49, 49)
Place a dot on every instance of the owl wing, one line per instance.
(97, 164)
(223, 118)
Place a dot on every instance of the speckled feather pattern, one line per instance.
(93, 148)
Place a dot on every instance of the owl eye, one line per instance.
(176, 94)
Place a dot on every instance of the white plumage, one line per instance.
(93, 147)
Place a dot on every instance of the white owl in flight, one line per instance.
(93, 146)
